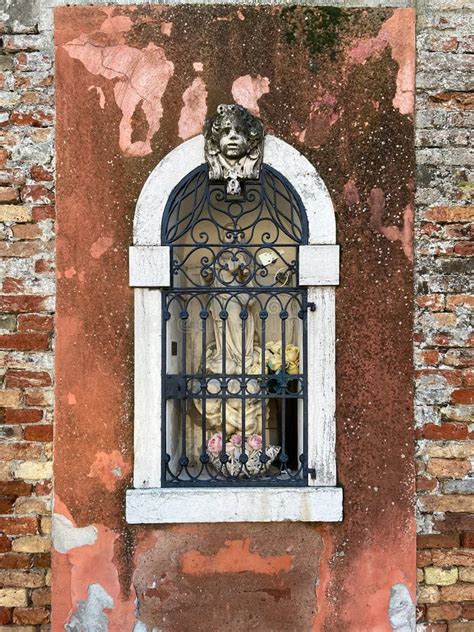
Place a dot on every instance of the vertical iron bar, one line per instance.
(224, 379)
(203, 381)
(243, 384)
(283, 387)
(304, 370)
(263, 384)
(183, 401)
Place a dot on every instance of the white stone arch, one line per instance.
(190, 154)
(321, 500)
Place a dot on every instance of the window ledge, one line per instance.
(301, 504)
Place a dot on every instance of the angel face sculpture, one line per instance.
(234, 146)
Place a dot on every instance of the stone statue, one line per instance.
(234, 146)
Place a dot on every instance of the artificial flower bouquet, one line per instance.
(233, 449)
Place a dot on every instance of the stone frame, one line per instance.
(321, 500)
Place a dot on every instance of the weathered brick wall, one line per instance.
(26, 322)
(444, 356)
(443, 353)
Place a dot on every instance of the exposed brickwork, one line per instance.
(26, 326)
(444, 356)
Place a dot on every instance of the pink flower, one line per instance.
(255, 442)
(214, 444)
(236, 439)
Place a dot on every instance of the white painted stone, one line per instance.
(319, 265)
(147, 388)
(321, 500)
(244, 504)
(149, 266)
(321, 372)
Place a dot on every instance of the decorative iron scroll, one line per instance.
(235, 334)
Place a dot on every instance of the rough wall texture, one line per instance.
(352, 116)
(443, 323)
(444, 115)
(26, 321)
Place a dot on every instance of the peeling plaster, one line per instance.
(66, 536)
(398, 32)
(194, 110)
(100, 247)
(132, 68)
(89, 615)
(109, 468)
(234, 557)
(247, 90)
(393, 233)
(401, 609)
(100, 94)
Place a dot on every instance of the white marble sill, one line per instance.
(250, 504)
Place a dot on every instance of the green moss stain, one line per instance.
(316, 29)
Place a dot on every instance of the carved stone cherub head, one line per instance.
(234, 145)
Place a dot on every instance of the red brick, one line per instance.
(6, 504)
(36, 194)
(443, 612)
(44, 265)
(43, 212)
(429, 356)
(438, 541)
(25, 342)
(43, 560)
(449, 214)
(12, 286)
(23, 415)
(19, 451)
(21, 249)
(8, 194)
(17, 304)
(41, 174)
(6, 616)
(23, 379)
(30, 616)
(41, 596)
(15, 488)
(43, 489)
(463, 396)
(27, 231)
(5, 543)
(39, 433)
(3, 157)
(448, 430)
(467, 539)
(424, 484)
(15, 560)
(18, 526)
(423, 558)
(453, 377)
(468, 610)
(468, 377)
(454, 300)
(35, 322)
(35, 118)
(465, 249)
(433, 302)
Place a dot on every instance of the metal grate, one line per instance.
(234, 331)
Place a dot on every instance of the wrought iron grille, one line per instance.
(234, 332)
